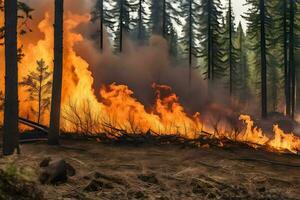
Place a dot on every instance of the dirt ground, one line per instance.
(164, 172)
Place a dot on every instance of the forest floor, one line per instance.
(163, 172)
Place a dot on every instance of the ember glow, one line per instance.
(117, 105)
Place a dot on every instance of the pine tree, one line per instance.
(190, 32)
(38, 86)
(53, 136)
(102, 12)
(156, 16)
(259, 23)
(292, 68)
(142, 21)
(230, 52)
(163, 19)
(210, 30)
(122, 9)
(284, 13)
(241, 72)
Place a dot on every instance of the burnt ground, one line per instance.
(163, 172)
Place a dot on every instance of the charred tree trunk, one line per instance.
(292, 70)
(264, 108)
(53, 138)
(286, 64)
(11, 109)
(101, 25)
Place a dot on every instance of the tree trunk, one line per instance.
(292, 70)
(209, 45)
(164, 19)
(11, 110)
(101, 25)
(40, 96)
(190, 42)
(53, 138)
(230, 51)
(264, 109)
(286, 64)
(140, 21)
(121, 24)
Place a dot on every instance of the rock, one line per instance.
(70, 170)
(45, 162)
(56, 172)
(150, 178)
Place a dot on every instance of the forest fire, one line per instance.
(148, 99)
(84, 112)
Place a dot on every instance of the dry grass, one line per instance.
(166, 172)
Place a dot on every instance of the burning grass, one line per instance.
(102, 130)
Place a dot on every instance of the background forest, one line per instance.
(257, 62)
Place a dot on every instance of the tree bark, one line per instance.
(140, 14)
(190, 41)
(292, 71)
(11, 110)
(286, 64)
(40, 96)
(121, 24)
(53, 138)
(264, 109)
(230, 50)
(164, 19)
(209, 41)
(101, 25)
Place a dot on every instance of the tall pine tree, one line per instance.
(190, 32)
(101, 13)
(210, 30)
(258, 26)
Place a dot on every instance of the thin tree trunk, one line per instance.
(264, 108)
(11, 110)
(230, 51)
(101, 25)
(140, 21)
(190, 42)
(209, 46)
(292, 70)
(121, 24)
(40, 96)
(53, 138)
(286, 64)
(164, 19)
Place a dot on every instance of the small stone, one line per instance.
(94, 186)
(45, 162)
(150, 178)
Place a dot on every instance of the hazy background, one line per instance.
(238, 9)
